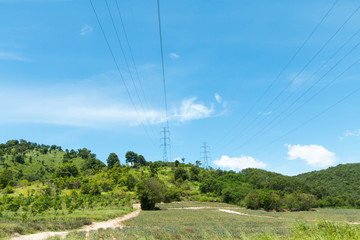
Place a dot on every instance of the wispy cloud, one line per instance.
(265, 113)
(26, 1)
(86, 30)
(314, 155)
(93, 106)
(174, 56)
(218, 98)
(352, 133)
(12, 56)
(349, 133)
(238, 163)
(190, 110)
(299, 80)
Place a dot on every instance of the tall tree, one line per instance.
(131, 157)
(112, 159)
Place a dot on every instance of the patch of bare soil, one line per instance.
(113, 223)
(199, 208)
(244, 214)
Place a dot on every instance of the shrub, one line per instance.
(172, 195)
(150, 192)
(299, 201)
(67, 170)
(252, 200)
(181, 174)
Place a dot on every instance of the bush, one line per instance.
(252, 200)
(172, 195)
(299, 201)
(150, 192)
(181, 174)
(67, 170)
(131, 182)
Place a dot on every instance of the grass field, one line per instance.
(55, 221)
(211, 223)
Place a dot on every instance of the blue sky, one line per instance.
(59, 84)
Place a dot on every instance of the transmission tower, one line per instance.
(205, 155)
(165, 143)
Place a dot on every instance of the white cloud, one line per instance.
(86, 30)
(174, 56)
(352, 133)
(299, 80)
(314, 155)
(12, 56)
(26, 1)
(190, 110)
(265, 113)
(218, 98)
(97, 105)
(239, 162)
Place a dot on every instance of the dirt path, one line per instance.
(113, 223)
(245, 214)
(199, 208)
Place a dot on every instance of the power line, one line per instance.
(312, 59)
(125, 59)
(282, 71)
(314, 84)
(318, 92)
(162, 65)
(118, 69)
(133, 60)
(260, 133)
(306, 65)
(314, 117)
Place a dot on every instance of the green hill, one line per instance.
(342, 181)
(31, 161)
(26, 163)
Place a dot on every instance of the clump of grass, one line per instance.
(54, 221)
(76, 235)
(326, 230)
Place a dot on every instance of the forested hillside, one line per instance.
(336, 184)
(25, 165)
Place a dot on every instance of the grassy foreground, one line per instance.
(11, 223)
(211, 223)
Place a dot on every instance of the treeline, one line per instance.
(82, 173)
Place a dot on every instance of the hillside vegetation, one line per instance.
(335, 185)
(48, 188)
(24, 164)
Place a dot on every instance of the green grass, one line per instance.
(56, 221)
(194, 204)
(328, 214)
(213, 224)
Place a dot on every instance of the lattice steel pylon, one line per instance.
(205, 155)
(165, 143)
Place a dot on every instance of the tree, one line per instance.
(131, 157)
(150, 192)
(140, 160)
(194, 173)
(67, 170)
(131, 182)
(177, 163)
(154, 168)
(5, 178)
(181, 174)
(112, 159)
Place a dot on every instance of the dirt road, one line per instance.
(113, 223)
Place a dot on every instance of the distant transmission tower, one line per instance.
(205, 155)
(165, 143)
